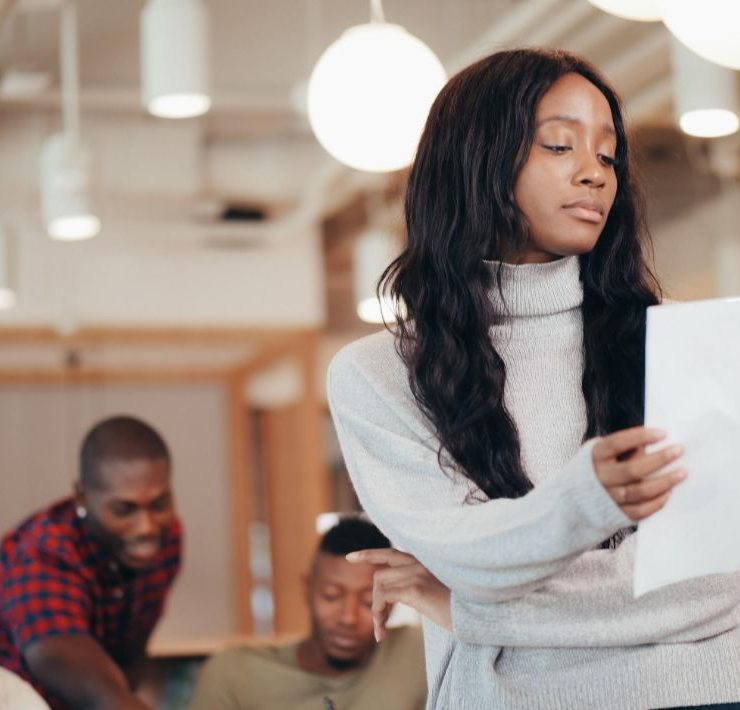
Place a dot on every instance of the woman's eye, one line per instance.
(609, 160)
(558, 148)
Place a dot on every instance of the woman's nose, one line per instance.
(591, 172)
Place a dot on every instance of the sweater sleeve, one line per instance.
(591, 604)
(491, 551)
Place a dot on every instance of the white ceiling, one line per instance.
(159, 182)
(263, 49)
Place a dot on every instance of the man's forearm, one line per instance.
(81, 673)
(134, 660)
(114, 699)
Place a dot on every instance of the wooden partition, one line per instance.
(297, 490)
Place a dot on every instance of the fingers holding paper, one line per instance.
(627, 471)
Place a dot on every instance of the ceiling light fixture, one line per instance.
(22, 82)
(373, 252)
(65, 188)
(709, 28)
(370, 92)
(705, 95)
(175, 58)
(641, 10)
(65, 164)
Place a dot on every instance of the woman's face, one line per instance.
(568, 184)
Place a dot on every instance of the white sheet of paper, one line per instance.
(692, 390)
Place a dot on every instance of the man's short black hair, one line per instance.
(350, 534)
(120, 438)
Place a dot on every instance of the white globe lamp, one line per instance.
(369, 95)
(711, 28)
(641, 10)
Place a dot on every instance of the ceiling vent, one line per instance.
(236, 227)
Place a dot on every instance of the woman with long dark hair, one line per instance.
(494, 431)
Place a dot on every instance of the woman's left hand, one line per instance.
(404, 579)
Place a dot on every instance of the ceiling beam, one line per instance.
(530, 23)
(128, 100)
(509, 26)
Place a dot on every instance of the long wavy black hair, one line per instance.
(460, 210)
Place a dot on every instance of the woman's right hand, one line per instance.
(624, 469)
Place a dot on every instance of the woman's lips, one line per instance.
(587, 214)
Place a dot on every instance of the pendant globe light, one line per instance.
(65, 164)
(174, 58)
(711, 28)
(705, 95)
(641, 10)
(370, 92)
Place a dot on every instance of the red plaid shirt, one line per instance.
(57, 580)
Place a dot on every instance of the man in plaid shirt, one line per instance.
(84, 581)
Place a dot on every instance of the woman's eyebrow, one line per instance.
(606, 127)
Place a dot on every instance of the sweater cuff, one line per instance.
(582, 489)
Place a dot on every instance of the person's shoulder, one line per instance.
(45, 591)
(238, 661)
(245, 653)
(230, 677)
(47, 534)
(402, 646)
(54, 517)
(367, 352)
(407, 636)
(400, 659)
(372, 358)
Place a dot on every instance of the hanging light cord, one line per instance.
(70, 75)
(376, 11)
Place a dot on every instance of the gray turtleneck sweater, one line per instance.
(542, 617)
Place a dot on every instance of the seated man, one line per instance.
(84, 581)
(339, 665)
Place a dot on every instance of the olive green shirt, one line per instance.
(269, 678)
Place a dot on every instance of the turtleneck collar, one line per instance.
(537, 289)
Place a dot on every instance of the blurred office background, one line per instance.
(233, 250)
